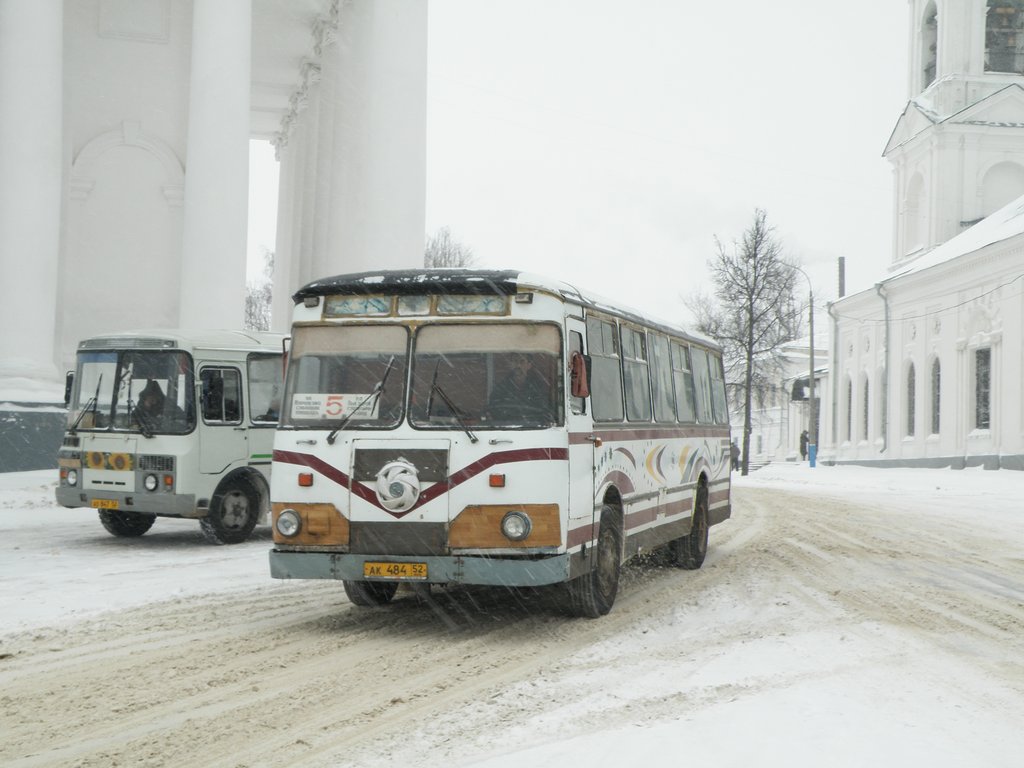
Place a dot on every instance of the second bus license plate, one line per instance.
(104, 504)
(376, 570)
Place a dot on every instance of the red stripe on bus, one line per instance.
(619, 479)
(577, 536)
(648, 433)
(431, 493)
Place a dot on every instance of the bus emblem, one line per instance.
(398, 486)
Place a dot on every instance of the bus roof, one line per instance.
(462, 281)
(181, 338)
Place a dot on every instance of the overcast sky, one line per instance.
(607, 143)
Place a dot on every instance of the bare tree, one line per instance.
(752, 314)
(443, 250)
(258, 296)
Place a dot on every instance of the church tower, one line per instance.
(958, 148)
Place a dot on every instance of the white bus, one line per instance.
(173, 423)
(495, 428)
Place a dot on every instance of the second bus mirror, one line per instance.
(579, 375)
(69, 384)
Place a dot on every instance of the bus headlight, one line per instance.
(72, 477)
(289, 523)
(151, 483)
(516, 525)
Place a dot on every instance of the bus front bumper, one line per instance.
(457, 569)
(159, 504)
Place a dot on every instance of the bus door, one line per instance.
(582, 443)
(224, 438)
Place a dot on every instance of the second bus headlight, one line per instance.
(289, 523)
(151, 482)
(516, 525)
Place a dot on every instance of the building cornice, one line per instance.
(324, 35)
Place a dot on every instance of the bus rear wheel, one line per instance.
(126, 523)
(233, 513)
(370, 594)
(593, 594)
(688, 552)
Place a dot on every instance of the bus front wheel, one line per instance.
(233, 513)
(593, 594)
(370, 594)
(126, 523)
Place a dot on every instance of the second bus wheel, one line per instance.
(126, 523)
(370, 594)
(233, 513)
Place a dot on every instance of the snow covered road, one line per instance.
(844, 617)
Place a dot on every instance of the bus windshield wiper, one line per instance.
(91, 405)
(435, 387)
(377, 390)
(145, 425)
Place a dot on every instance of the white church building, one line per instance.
(926, 366)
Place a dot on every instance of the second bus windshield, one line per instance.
(500, 376)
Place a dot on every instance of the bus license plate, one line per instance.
(395, 570)
(104, 503)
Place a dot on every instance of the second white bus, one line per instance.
(491, 427)
(173, 423)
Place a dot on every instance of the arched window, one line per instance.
(929, 45)
(865, 401)
(1004, 36)
(911, 385)
(1003, 182)
(914, 233)
(936, 385)
(983, 388)
(849, 408)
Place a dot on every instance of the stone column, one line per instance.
(217, 166)
(31, 166)
(307, 174)
(378, 179)
(329, 112)
(283, 251)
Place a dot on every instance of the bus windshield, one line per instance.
(149, 392)
(346, 375)
(479, 375)
(488, 375)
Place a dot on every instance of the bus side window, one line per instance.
(702, 382)
(266, 380)
(222, 395)
(661, 378)
(718, 397)
(635, 369)
(683, 376)
(606, 374)
(576, 404)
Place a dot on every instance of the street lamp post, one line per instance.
(812, 417)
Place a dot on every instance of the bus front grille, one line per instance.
(398, 538)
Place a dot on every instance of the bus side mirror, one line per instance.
(579, 374)
(69, 384)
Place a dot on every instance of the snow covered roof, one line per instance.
(1003, 108)
(1002, 225)
(501, 282)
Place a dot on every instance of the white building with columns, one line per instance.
(926, 365)
(124, 160)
